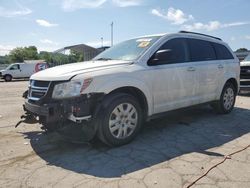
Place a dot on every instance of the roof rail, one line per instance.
(200, 34)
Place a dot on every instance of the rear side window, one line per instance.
(201, 50)
(222, 52)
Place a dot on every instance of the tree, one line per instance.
(75, 56)
(242, 50)
(30, 53)
(21, 54)
(17, 55)
(45, 56)
(5, 59)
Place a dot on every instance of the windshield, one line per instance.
(247, 58)
(128, 50)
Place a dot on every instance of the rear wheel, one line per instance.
(120, 120)
(227, 99)
(7, 78)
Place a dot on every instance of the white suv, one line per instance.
(132, 82)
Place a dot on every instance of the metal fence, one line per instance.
(54, 64)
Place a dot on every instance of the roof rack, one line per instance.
(200, 34)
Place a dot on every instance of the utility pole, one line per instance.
(102, 41)
(112, 34)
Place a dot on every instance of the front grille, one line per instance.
(245, 72)
(245, 82)
(38, 89)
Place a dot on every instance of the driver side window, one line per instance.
(15, 67)
(176, 53)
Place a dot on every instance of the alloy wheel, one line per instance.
(123, 120)
(228, 98)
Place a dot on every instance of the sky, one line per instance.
(53, 24)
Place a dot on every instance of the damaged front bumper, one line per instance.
(59, 111)
(56, 112)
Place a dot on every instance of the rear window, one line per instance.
(201, 50)
(222, 52)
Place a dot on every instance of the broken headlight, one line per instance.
(74, 88)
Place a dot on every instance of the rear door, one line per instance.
(209, 69)
(227, 63)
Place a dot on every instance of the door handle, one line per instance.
(191, 69)
(220, 66)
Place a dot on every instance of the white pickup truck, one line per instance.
(133, 82)
(245, 74)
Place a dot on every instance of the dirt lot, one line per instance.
(169, 152)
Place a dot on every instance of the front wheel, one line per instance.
(227, 99)
(120, 119)
(7, 78)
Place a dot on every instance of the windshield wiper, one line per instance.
(104, 59)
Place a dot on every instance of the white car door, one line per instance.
(24, 70)
(209, 69)
(174, 78)
(15, 71)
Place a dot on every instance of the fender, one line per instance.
(113, 84)
(228, 76)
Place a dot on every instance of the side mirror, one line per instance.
(161, 55)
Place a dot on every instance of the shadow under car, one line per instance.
(181, 132)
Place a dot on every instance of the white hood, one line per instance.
(66, 72)
(245, 63)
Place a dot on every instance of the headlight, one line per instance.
(70, 89)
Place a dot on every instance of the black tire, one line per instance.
(7, 78)
(49, 127)
(227, 99)
(106, 114)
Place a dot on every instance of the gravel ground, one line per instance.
(169, 152)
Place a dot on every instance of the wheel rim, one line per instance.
(123, 120)
(228, 98)
(7, 78)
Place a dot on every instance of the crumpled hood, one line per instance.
(245, 63)
(66, 72)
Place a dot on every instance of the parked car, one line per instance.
(22, 70)
(245, 74)
(135, 81)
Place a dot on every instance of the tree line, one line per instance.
(30, 53)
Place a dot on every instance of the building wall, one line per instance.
(88, 55)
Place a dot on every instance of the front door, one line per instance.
(174, 79)
(15, 71)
